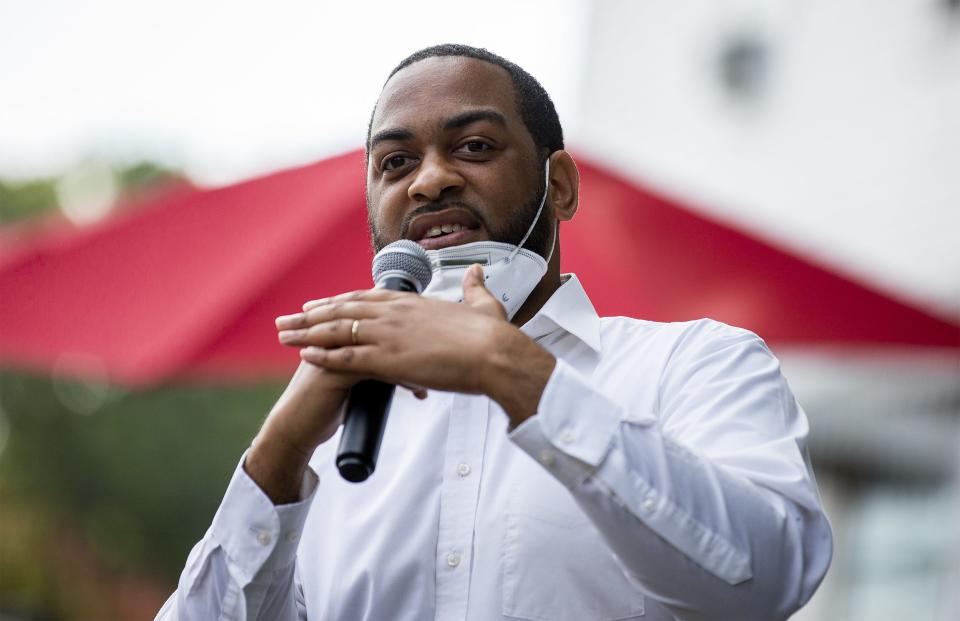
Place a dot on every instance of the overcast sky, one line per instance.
(231, 89)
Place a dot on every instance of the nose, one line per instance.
(434, 177)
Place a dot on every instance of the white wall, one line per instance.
(849, 152)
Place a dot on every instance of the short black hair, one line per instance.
(533, 103)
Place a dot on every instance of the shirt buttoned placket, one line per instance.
(459, 494)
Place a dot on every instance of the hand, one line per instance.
(402, 338)
(308, 412)
(407, 339)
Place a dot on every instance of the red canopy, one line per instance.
(189, 285)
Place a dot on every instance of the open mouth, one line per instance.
(443, 229)
(450, 227)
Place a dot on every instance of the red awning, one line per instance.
(189, 285)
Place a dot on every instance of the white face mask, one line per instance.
(510, 272)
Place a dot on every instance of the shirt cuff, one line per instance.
(573, 429)
(257, 535)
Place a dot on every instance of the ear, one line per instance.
(564, 193)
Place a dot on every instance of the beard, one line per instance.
(511, 231)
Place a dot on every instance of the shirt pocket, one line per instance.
(556, 566)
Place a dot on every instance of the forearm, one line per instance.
(305, 415)
(691, 525)
(698, 539)
(215, 594)
(740, 549)
(276, 467)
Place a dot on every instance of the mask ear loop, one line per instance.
(536, 218)
(553, 243)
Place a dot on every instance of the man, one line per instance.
(545, 463)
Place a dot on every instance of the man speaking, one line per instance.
(541, 462)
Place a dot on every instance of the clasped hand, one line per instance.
(403, 338)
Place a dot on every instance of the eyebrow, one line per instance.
(472, 116)
(456, 122)
(389, 134)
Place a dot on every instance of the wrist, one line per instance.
(516, 373)
(277, 467)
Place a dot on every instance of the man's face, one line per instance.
(450, 159)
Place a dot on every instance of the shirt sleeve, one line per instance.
(709, 503)
(244, 567)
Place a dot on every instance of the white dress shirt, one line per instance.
(665, 476)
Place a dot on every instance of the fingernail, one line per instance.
(313, 353)
(287, 336)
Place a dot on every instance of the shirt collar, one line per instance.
(569, 309)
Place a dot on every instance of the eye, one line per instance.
(476, 146)
(393, 162)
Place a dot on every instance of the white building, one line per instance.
(830, 128)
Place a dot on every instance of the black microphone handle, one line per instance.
(363, 424)
(366, 416)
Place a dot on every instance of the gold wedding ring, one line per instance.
(354, 330)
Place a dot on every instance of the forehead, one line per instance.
(434, 89)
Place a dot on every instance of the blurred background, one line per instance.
(173, 175)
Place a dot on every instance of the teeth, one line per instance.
(443, 229)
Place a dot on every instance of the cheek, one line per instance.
(385, 210)
(507, 189)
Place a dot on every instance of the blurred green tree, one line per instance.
(113, 497)
(31, 198)
(26, 199)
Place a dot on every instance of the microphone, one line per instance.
(400, 266)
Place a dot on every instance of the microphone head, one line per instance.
(403, 259)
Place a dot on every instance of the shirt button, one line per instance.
(263, 538)
(568, 437)
(292, 536)
(546, 458)
(649, 505)
(463, 469)
(453, 559)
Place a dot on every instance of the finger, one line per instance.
(475, 292)
(349, 295)
(331, 334)
(370, 295)
(328, 311)
(361, 359)
(291, 322)
(321, 357)
(418, 391)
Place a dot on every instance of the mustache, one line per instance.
(440, 206)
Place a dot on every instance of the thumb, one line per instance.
(475, 293)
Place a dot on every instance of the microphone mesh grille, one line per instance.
(404, 256)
